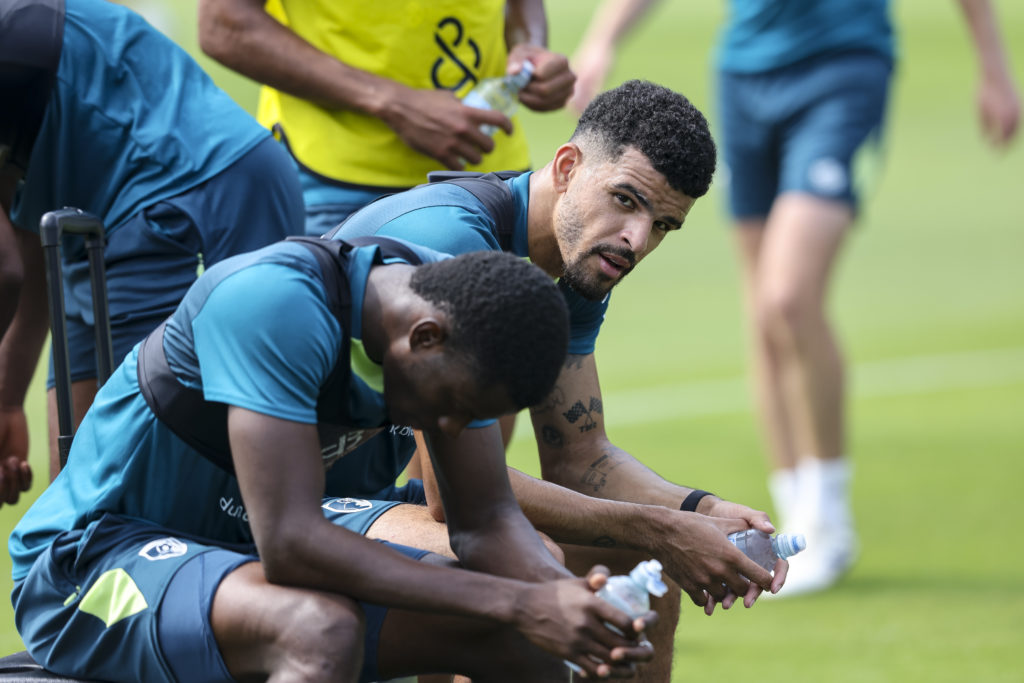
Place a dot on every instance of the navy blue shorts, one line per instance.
(328, 204)
(155, 256)
(813, 127)
(124, 600)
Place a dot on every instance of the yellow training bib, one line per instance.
(446, 44)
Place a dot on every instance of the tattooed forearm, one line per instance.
(587, 412)
(597, 474)
(551, 436)
(554, 400)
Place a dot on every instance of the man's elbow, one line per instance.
(281, 556)
(220, 31)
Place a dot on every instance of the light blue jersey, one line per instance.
(114, 140)
(450, 219)
(256, 332)
(761, 35)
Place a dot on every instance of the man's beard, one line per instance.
(591, 283)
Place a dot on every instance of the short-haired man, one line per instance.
(188, 538)
(640, 157)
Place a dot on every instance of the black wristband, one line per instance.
(691, 501)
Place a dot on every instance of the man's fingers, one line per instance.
(781, 569)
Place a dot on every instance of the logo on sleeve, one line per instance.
(163, 549)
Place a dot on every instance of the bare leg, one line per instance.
(413, 525)
(416, 642)
(799, 374)
(284, 634)
(82, 395)
(798, 252)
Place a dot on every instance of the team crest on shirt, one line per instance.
(163, 549)
(347, 506)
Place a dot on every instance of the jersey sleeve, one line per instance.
(266, 341)
(585, 318)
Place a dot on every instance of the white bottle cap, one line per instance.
(648, 575)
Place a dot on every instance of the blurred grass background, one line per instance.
(929, 298)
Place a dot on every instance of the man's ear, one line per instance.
(567, 159)
(427, 333)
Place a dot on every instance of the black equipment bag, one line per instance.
(489, 188)
(203, 424)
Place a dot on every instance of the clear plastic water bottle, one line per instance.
(499, 93)
(765, 549)
(631, 594)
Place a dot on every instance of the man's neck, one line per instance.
(542, 244)
(387, 289)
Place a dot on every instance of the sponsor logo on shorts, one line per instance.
(347, 506)
(163, 549)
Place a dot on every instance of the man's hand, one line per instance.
(552, 81)
(592, 66)
(998, 109)
(567, 619)
(778, 578)
(698, 556)
(15, 472)
(436, 123)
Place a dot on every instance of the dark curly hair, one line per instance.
(508, 319)
(663, 125)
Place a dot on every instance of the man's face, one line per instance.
(440, 391)
(611, 215)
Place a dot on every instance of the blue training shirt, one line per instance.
(761, 35)
(254, 331)
(450, 219)
(132, 119)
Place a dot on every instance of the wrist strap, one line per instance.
(691, 501)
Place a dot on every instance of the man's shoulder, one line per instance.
(441, 216)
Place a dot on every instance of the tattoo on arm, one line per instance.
(552, 437)
(555, 399)
(597, 474)
(586, 412)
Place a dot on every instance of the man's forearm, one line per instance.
(572, 517)
(601, 469)
(23, 341)
(981, 21)
(525, 22)
(243, 37)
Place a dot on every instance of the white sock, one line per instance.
(835, 493)
(782, 485)
(825, 493)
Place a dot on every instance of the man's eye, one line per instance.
(625, 200)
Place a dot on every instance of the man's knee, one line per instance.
(323, 639)
(264, 629)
